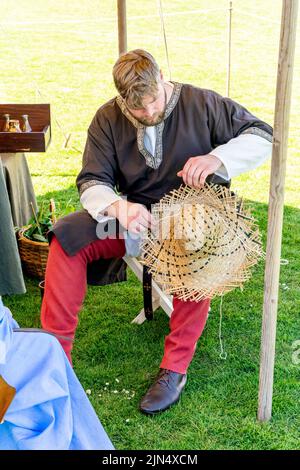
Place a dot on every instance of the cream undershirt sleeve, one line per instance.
(96, 199)
(242, 154)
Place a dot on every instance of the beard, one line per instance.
(156, 119)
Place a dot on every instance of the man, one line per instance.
(154, 136)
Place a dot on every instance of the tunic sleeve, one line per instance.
(228, 119)
(99, 166)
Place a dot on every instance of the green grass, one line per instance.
(71, 65)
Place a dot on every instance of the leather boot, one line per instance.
(164, 392)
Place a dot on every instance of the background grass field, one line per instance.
(62, 53)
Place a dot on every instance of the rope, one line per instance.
(164, 34)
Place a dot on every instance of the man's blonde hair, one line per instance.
(136, 74)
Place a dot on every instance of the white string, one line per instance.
(223, 353)
(111, 19)
(258, 17)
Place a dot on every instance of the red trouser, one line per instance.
(65, 289)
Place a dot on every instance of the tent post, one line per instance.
(229, 49)
(122, 27)
(276, 204)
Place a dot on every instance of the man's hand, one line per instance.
(197, 169)
(134, 217)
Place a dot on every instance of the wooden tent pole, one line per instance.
(122, 27)
(229, 49)
(276, 203)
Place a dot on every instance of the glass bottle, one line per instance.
(25, 124)
(14, 125)
(6, 124)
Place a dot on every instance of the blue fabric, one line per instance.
(50, 409)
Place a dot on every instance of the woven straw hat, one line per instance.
(204, 244)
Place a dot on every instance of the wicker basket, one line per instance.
(33, 255)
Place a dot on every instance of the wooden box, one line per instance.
(39, 120)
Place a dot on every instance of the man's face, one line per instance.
(153, 108)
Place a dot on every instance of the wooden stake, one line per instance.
(52, 209)
(122, 27)
(276, 202)
(35, 216)
(67, 140)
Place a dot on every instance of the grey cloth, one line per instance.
(11, 277)
(19, 187)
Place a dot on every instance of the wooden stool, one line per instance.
(159, 298)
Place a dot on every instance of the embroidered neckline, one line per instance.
(155, 160)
